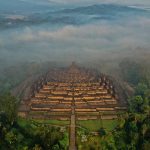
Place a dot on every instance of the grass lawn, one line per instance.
(53, 122)
(110, 124)
(92, 125)
(24, 122)
(95, 125)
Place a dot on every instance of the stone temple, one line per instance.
(73, 91)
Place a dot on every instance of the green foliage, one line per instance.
(31, 136)
(130, 136)
(133, 131)
(108, 143)
(140, 103)
(131, 71)
(64, 142)
(95, 125)
(20, 134)
(8, 105)
(136, 104)
(56, 147)
(102, 132)
(37, 147)
(48, 137)
(141, 89)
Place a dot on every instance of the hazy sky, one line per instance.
(143, 2)
(106, 1)
(83, 2)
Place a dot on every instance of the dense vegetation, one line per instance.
(20, 134)
(133, 131)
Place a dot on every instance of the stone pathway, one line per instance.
(72, 140)
(72, 145)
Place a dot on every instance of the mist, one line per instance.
(91, 35)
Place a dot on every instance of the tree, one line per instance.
(11, 138)
(141, 89)
(102, 132)
(135, 104)
(48, 136)
(131, 71)
(8, 104)
(37, 147)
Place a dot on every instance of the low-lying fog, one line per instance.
(64, 33)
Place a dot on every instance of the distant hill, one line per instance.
(35, 14)
(103, 8)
